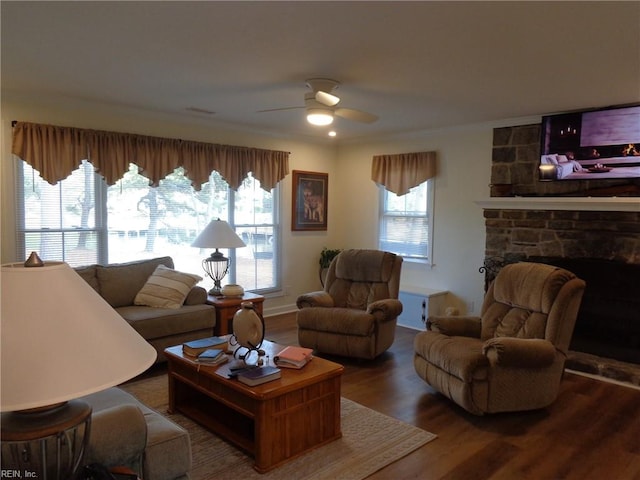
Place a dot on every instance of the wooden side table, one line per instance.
(226, 307)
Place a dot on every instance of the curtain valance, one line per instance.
(57, 151)
(400, 172)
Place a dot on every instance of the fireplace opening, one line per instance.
(608, 322)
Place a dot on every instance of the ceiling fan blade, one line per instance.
(355, 115)
(327, 99)
(279, 109)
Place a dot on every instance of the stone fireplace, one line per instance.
(601, 247)
(591, 228)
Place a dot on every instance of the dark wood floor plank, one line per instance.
(592, 431)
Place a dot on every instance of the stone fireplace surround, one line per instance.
(606, 339)
(597, 237)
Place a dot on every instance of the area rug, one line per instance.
(370, 441)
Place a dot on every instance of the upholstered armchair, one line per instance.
(355, 315)
(512, 357)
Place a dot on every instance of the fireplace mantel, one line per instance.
(611, 204)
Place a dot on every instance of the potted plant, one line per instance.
(326, 256)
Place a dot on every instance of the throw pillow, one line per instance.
(166, 288)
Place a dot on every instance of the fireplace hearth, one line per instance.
(626, 373)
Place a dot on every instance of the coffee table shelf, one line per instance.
(235, 427)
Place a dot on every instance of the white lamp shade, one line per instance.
(61, 340)
(218, 234)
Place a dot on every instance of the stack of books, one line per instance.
(212, 356)
(196, 347)
(293, 357)
(259, 375)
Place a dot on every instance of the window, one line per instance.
(82, 221)
(406, 222)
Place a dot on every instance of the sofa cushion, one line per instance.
(345, 321)
(166, 288)
(121, 282)
(152, 323)
(168, 451)
(90, 275)
(365, 265)
(460, 357)
(118, 436)
(197, 296)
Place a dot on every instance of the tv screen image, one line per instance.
(591, 144)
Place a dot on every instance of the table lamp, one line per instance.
(218, 234)
(60, 340)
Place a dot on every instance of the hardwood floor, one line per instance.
(592, 431)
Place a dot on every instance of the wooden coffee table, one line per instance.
(275, 421)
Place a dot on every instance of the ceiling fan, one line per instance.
(320, 104)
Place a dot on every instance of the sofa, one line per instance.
(124, 432)
(120, 283)
(561, 165)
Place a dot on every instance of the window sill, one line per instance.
(418, 261)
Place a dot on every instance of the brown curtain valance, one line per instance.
(401, 172)
(57, 151)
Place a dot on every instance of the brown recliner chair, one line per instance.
(355, 315)
(512, 357)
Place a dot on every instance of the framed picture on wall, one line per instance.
(309, 202)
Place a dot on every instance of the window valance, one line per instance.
(57, 151)
(400, 172)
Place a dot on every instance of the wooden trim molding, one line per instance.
(611, 204)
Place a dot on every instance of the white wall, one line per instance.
(464, 156)
(463, 175)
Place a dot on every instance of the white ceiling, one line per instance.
(418, 65)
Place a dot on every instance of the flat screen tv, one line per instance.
(591, 144)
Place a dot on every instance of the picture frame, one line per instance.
(309, 203)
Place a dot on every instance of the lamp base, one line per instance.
(215, 291)
(46, 443)
(216, 267)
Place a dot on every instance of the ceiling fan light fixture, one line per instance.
(319, 117)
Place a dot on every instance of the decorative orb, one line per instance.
(248, 327)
